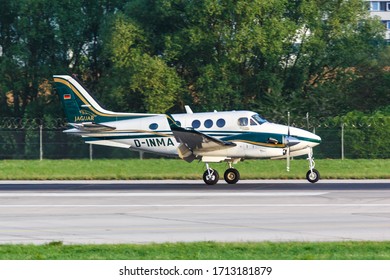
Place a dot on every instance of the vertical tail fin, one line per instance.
(81, 107)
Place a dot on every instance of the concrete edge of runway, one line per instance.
(185, 182)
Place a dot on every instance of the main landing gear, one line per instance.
(211, 176)
(312, 175)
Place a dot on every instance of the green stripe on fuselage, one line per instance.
(255, 137)
(263, 138)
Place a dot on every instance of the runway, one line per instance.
(96, 212)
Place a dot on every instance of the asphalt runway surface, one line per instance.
(96, 212)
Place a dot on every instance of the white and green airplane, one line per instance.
(211, 137)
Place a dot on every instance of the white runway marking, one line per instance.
(185, 205)
(165, 194)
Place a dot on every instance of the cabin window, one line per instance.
(221, 122)
(208, 123)
(243, 121)
(153, 126)
(196, 124)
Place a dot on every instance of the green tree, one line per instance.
(9, 68)
(370, 90)
(335, 37)
(271, 56)
(140, 80)
(39, 38)
(217, 47)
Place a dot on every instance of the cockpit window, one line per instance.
(243, 121)
(253, 122)
(259, 119)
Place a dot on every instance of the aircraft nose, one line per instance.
(315, 139)
(307, 137)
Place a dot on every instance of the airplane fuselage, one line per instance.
(254, 137)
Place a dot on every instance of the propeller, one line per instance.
(288, 142)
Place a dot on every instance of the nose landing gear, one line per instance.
(312, 175)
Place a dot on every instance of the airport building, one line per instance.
(382, 10)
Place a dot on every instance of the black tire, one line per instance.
(231, 176)
(211, 180)
(314, 176)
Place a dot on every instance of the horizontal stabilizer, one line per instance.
(108, 143)
(92, 127)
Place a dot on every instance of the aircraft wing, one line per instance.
(193, 141)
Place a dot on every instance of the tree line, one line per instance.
(326, 58)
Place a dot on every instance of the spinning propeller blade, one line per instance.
(288, 142)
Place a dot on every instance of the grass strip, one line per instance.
(135, 169)
(202, 251)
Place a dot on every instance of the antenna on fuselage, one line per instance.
(188, 109)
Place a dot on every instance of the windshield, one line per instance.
(259, 119)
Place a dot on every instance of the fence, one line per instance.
(38, 139)
(44, 139)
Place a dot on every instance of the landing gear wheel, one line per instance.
(231, 176)
(313, 176)
(210, 176)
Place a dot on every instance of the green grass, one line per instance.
(202, 251)
(134, 169)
